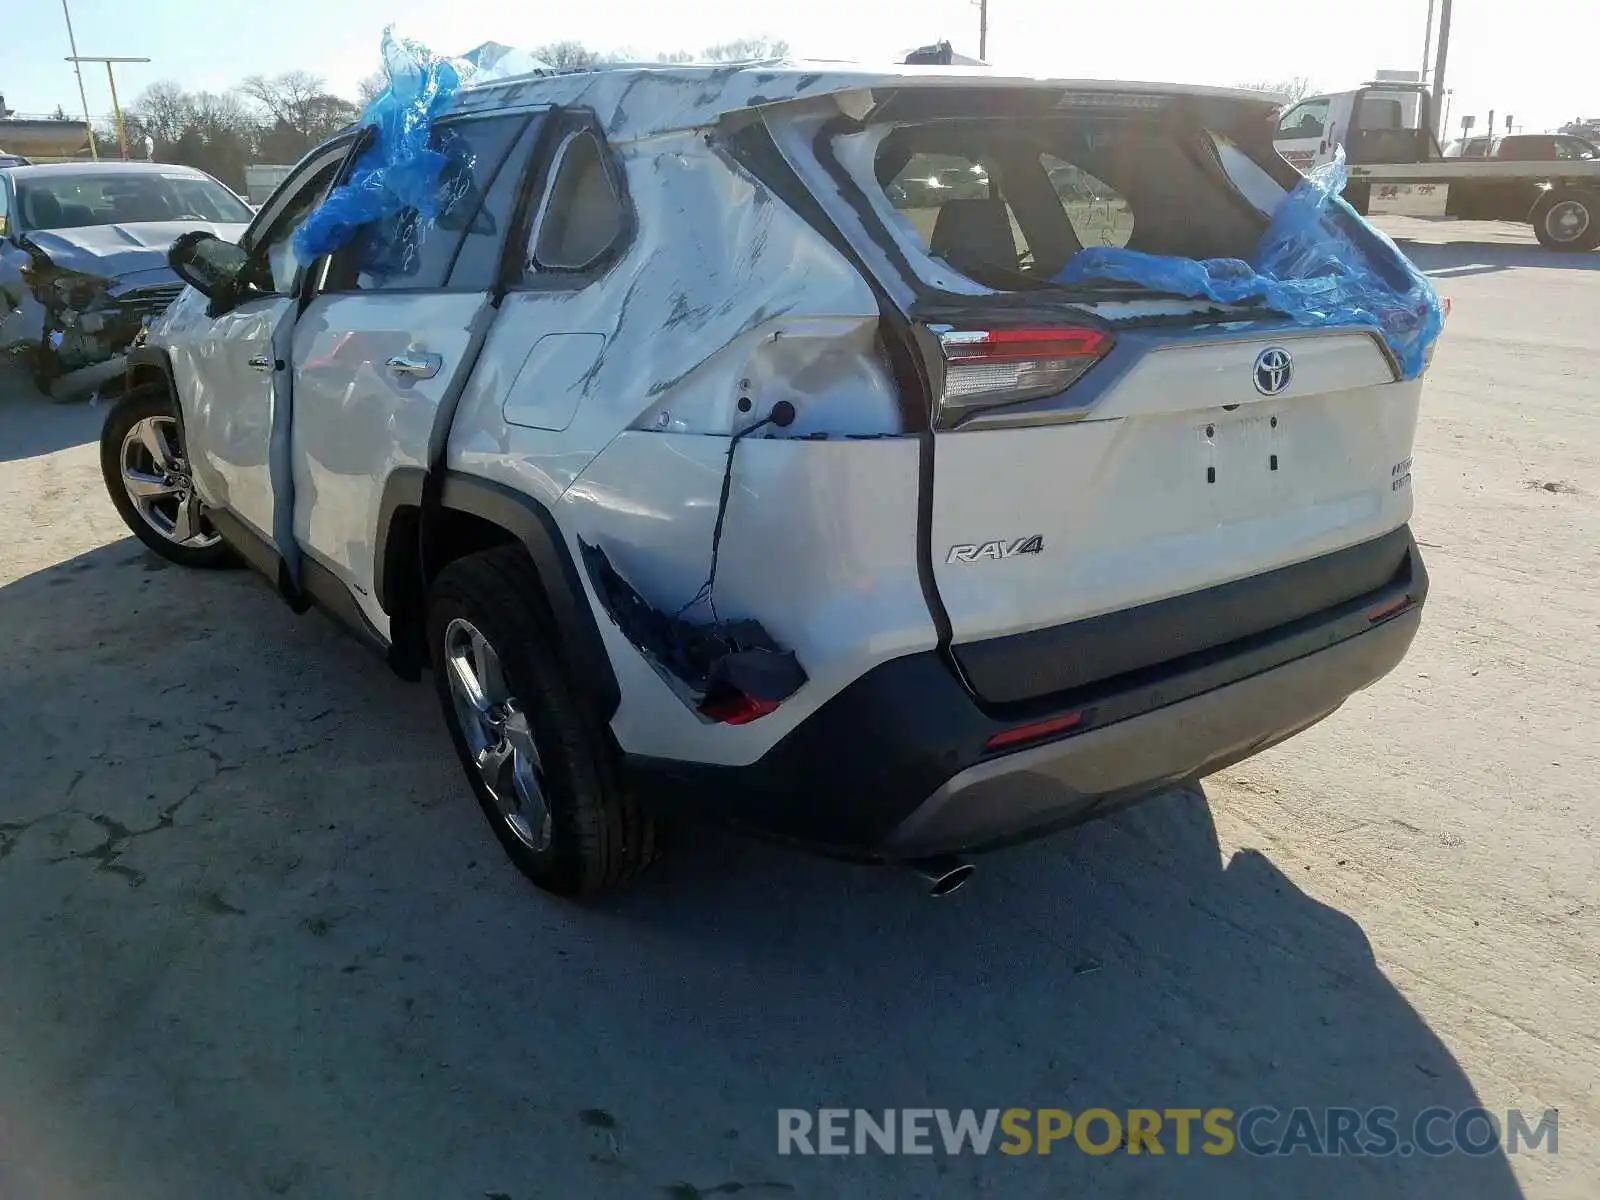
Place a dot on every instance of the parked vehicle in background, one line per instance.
(711, 455)
(83, 256)
(1390, 150)
(1525, 147)
(13, 160)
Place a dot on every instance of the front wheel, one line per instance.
(543, 769)
(146, 471)
(45, 368)
(1568, 220)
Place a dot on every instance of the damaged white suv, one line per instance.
(727, 442)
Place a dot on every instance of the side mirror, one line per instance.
(208, 264)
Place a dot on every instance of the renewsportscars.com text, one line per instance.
(1262, 1131)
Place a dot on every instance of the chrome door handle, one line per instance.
(260, 362)
(415, 365)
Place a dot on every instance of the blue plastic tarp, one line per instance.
(398, 174)
(1307, 267)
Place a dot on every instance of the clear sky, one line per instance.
(1535, 58)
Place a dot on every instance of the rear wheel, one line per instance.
(1568, 220)
(146, 470)
(543, 770)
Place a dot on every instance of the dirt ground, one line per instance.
(255, 939)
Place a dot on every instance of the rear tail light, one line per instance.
(735, 708)
(986, 368)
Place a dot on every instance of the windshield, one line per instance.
(114, 198)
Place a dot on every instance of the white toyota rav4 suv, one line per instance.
(727, 444)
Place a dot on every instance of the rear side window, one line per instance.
(582, 216)
(460, 249)
(1380, 112)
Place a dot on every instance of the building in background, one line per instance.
(44, 139)
(261, 178)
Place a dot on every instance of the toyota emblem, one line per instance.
(1274, 368)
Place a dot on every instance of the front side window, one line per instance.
(274, 248)
(582, 216)
(476, 197)
(81, 199)
(1572, 149)
(1307, 120)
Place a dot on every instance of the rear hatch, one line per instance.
(1101, 449)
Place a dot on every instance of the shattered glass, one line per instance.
(398, 171)
(1310, 266)
(410, 173)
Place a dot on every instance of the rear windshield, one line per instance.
(114, 198)
(1007, 203)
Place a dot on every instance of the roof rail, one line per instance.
(603, 67)
(1398, 85)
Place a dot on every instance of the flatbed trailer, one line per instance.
(1387, 148)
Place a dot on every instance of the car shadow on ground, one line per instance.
(260, 942)
(1482, 258)
(31, 425)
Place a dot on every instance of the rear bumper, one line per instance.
(899, 765)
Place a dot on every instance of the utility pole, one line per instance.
(1427, 44)
(122, 134)
(1438, 67)
(72, 41)
(983, 30)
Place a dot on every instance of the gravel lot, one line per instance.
(257, 941)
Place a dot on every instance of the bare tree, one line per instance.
(370, 87)
(675, 56)
(164, 110)
(746, 50)
(1293, 89)
(567, 56)
(296, 100)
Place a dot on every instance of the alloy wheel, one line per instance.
(156, 477)
(498, 735)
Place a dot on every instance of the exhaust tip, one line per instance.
(944, 874)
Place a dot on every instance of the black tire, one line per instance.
(1568, 219)
(597, 835)
(210, 552)
(46, 368)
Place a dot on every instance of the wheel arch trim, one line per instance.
(534, 527)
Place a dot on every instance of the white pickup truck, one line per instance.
(1385, 130)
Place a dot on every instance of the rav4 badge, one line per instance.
(996, 550)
